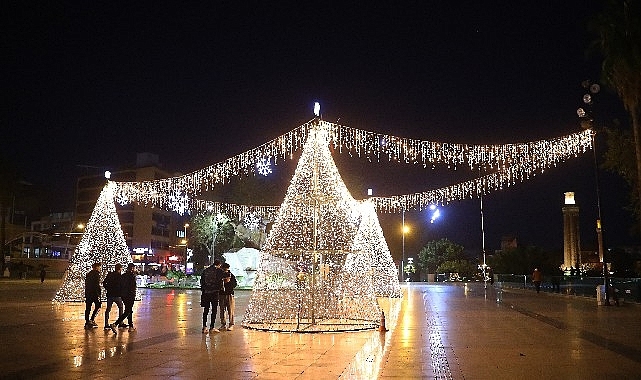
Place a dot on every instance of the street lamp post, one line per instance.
(404, 230)
(214, 234)
(483, 245)
(186, 241)
(587, 121)
(403, 239)
(80, 227)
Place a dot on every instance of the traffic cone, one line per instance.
(382, 327)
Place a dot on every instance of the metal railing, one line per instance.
(627, 288)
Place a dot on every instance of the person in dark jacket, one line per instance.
(128, 294)
(226, 298)
(92, 295)
(211, 283)
(112, 284)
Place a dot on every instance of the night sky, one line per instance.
(89, 86)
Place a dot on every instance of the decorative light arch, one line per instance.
(506, 164)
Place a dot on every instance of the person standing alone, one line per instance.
(537, 278)
(128, 294)
(211, 283)
(92, 295)
(113, 284)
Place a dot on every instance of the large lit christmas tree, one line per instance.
(303, 283)
(103, 242)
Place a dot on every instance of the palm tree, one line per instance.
(619, 41)
(9, 185)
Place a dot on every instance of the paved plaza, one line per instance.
(436, 331)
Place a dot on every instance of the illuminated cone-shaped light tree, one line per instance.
(370, 239)
(103, 242)
(303, 284)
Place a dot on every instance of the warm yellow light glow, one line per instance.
(569, 198)
(405, 229)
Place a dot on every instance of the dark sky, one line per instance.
(95, 84)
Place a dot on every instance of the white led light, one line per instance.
(507, 165)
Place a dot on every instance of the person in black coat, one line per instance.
(113, 284)
(128, 294)
(92, 295)
(211, 284)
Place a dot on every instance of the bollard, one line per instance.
(382, 327)
(499, 292)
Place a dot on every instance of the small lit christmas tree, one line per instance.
(370, 239)
(103, 242)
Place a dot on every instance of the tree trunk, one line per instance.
(636, 128)
(3, 234)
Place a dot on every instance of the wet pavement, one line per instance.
(437, 331)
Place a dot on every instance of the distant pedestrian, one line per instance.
(113, 285)
(537, 277)
(22, 269)
(43, 274)
(613, 292)
(128, 295)
(211, 283)
(556, 284)
(227, 301)
(92, 295)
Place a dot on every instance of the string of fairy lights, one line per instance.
(506, 164)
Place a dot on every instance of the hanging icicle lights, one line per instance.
(507, 164)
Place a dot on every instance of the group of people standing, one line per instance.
(121, 290)
(217, 285)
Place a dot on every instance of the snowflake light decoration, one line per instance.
(264, 166)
